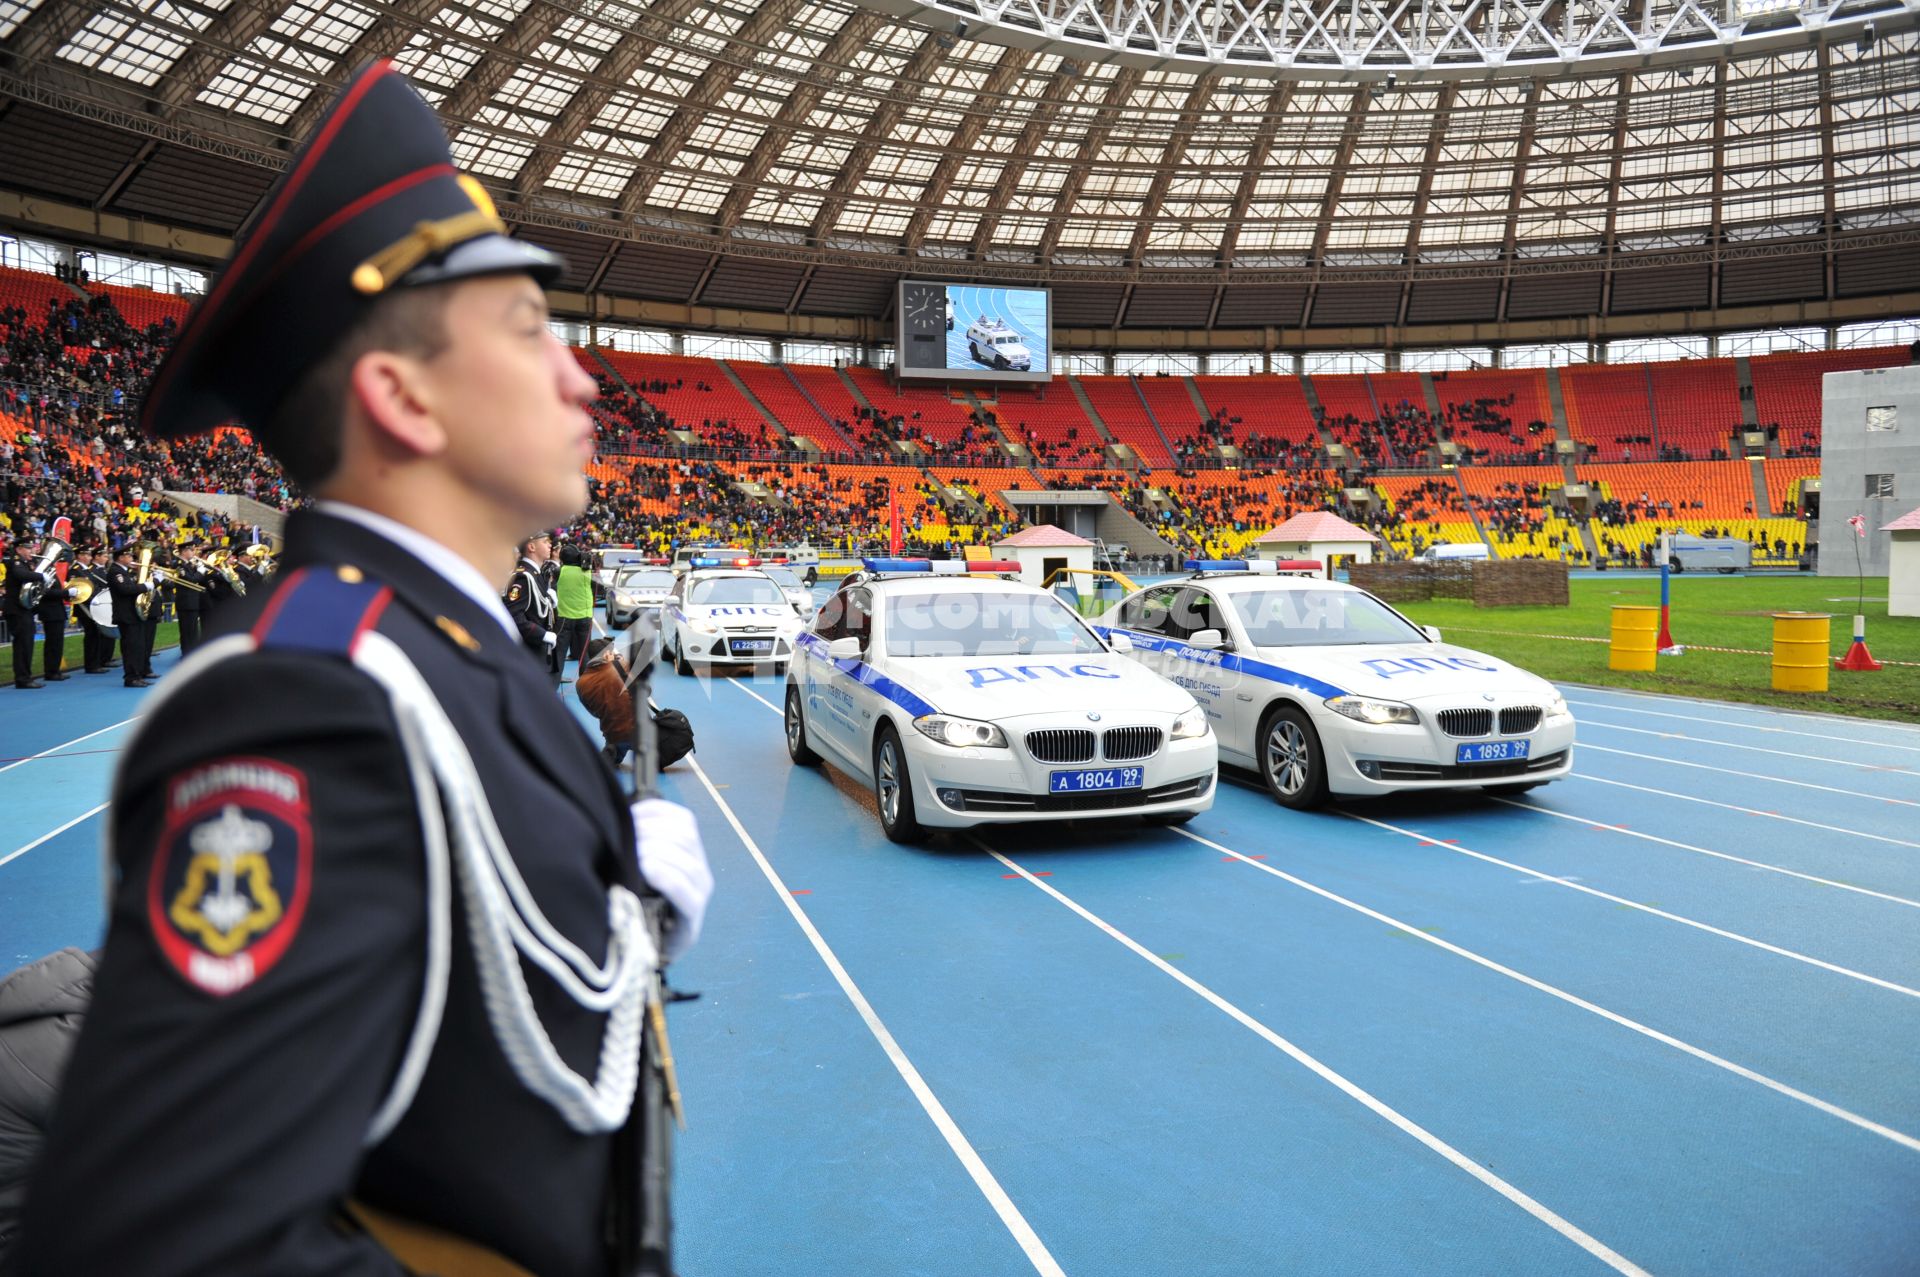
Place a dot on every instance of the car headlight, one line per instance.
(960, 732)
(1361, 709)
(703, 627)
(1190, 724)
(1557, 706)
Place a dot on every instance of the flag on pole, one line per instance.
(1858, 524)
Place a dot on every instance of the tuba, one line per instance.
(221, 561)
(51, 553)
(143, 605)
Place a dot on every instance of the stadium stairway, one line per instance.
(1762, 503)
(1460, 481)
(1749, 412)
(766, 413)
(1557, 401)
(853, 388)
(818, 407)
(1199, 400)
(1093, 415)
(1432, 393)
(1152, 420)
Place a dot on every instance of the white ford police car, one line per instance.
(726, 611)
(1321, 687)
(966, 698)
(637, 589)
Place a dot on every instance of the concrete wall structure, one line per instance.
(1850, 451)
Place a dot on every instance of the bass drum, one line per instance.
(100, 608)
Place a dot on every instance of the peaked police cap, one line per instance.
(371, 203)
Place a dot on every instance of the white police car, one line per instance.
(792, 586)
(1321, 687)
(637, 589)
(726, 611)
(966, 698)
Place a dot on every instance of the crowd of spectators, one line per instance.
(71, 374)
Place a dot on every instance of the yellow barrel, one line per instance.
(1636, 632)
(1802, 651)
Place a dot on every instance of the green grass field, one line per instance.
(1712, 611)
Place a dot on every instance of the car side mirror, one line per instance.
(1207, 640)
(1432, 632)
(1119, 643)
(844, 649)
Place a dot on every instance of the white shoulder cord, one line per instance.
(504, 921)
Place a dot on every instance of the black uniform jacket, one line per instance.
(124, 584)
(191, 601)
(528, 604)
(20, 575)
(214, 1130)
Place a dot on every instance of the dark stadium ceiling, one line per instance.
(700, 150)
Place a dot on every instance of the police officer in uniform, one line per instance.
(96, 645)
(124, 584)
(190, 605)
(56, 605)
(20, 564)
(318, 1036)
(530, 600)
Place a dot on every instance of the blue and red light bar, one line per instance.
(946, 567)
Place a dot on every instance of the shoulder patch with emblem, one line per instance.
(232, 872)
(513, 594)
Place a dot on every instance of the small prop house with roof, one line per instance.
(1319, 535)
(1903, 565)
(1044, 549)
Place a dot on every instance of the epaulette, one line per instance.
(321, 610)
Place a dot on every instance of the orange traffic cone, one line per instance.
(1857, 657)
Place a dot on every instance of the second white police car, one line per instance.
(1322, 688)
(726, 611)
(967, 698)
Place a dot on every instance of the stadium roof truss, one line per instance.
(724, 151)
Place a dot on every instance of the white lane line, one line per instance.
(1016, 1223)
(1598, 1249)
(1740, 707)
(1751, 811)
(1732, 771)
(1756, 749)
(1666, 1039)
(57, 748)
(1704, 851)
(18, 852)
(1746, 727)
(1695, 923)
(763, 700)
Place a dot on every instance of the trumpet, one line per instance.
(173, 578)
(33, 591)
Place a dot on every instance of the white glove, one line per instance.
(73, 591)
(550, 639)
(674, 863)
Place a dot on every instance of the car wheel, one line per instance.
(1291, 761)
(680, 663)
(1511, 791)
(797, 748)
(780, 669)
(893, 789)
(1676, 565)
